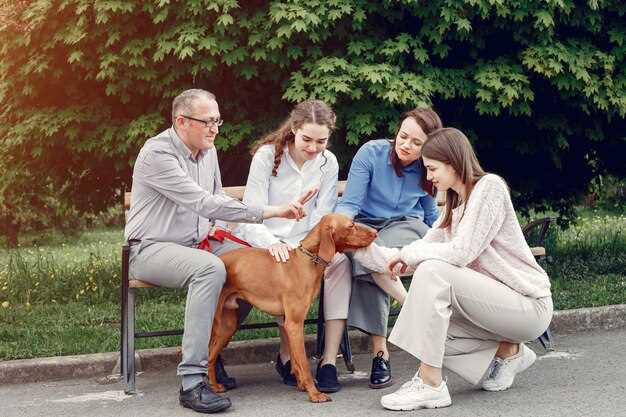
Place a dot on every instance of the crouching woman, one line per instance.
(477, 293)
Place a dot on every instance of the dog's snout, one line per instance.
(371, 231)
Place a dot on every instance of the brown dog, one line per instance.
(283, 289)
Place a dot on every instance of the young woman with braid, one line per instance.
(288, 162)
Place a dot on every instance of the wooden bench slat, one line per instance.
(341, 187)
(136, 283)
(538, 251)
(237, 192)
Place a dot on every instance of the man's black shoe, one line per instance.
(202, 399)
(284, 370)
(326, 378)
(381, 372)
(222, 377)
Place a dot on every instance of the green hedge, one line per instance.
(539, 86)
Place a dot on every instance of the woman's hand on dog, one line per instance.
(280, 251)
(396, 267)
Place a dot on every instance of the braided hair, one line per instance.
(309, 111)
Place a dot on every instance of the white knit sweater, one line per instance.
(486, 238)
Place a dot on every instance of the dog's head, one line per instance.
(337, 233)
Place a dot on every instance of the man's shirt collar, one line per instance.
(182, 149)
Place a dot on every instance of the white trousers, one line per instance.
(455, 318)
(337, 287)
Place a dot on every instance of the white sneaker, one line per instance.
(502, 371)
(415, 394)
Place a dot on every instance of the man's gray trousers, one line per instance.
(203, 274)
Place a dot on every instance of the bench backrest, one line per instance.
(237, 192)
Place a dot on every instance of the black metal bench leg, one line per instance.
(124, 317)
(346, 351)
(127, 328)
(320, 322)
(130, 353)
(546, 340)
(345, 348)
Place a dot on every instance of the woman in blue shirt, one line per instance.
(388, 190)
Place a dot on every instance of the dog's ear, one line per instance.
(327, 242)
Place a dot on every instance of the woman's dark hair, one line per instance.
(309, 111)
(429, 121)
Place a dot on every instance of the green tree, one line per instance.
(537, 85)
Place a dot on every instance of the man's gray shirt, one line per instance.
(175, 197)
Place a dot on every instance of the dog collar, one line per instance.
(314, 257)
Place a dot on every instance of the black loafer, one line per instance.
(222, 377)
(202, 399)
(381, 372)
(326, 378)
(284, 370)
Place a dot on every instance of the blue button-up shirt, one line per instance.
(374, 189)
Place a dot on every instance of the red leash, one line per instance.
(219, 235)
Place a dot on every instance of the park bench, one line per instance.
(127, 306)
(129, 286)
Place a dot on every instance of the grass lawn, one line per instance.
(74, 328)
(60, 297)
(86, 269)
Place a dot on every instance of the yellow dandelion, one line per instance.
(5, 304)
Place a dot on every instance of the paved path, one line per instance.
(586, 376)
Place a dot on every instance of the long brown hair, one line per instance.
(309, 111)
(451, 146)
(429, 121)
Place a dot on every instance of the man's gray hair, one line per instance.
(184, 103)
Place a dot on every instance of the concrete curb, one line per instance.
(251, 351)
(584, 319)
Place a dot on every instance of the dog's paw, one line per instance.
(218, 388)
(319, 397)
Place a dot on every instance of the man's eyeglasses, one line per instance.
(213, 121)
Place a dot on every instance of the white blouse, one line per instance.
(290, 183)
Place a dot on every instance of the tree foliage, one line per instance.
(539, 86)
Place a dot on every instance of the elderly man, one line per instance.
(176, 196)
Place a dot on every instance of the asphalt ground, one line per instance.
(584, 376)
